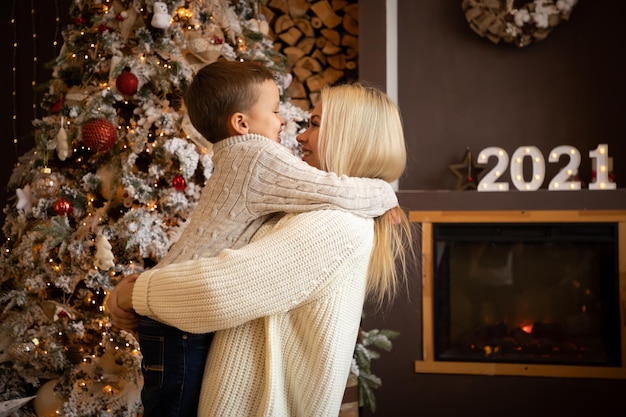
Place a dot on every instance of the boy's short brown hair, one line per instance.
(221, 89)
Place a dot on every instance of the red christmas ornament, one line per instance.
(127, 83)
(56, 107)
(99, 134)
(179, 183)
(63, 206)
(104, 28)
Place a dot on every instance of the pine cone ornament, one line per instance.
(99, 134)
(127, 83)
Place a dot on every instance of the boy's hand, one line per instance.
(120, 304)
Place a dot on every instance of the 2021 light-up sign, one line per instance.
(564, 180)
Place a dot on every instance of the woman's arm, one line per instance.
(276, 273)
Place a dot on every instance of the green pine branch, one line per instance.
(366, 350)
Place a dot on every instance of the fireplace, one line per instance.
(537, 293)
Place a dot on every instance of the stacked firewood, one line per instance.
(319, 39)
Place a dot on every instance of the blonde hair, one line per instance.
(361, 135)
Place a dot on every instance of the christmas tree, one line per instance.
(114, 174)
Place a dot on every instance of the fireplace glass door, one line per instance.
(527, 293)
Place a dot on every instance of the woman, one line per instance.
(287, 307)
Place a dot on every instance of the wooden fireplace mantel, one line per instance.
(428, 208)
(446, 200)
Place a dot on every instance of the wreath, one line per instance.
(517, 22)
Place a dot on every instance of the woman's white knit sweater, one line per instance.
(286, 309)
(254, 177)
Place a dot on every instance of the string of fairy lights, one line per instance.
(33, 82)
(35, 61)
(14, 75)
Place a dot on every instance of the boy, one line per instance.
(235, 106)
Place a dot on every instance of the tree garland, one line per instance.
(503, 20)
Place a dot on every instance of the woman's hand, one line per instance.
(395, 215)
(120, 304)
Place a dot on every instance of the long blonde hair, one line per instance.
(361, 135)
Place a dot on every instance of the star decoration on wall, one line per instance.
(467, 172)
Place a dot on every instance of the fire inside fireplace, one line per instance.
(540, 293)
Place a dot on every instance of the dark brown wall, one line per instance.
(372, 53)
(457, 90)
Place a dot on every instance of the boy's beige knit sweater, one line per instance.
(286, 309)
(254, 177)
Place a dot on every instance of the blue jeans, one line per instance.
(172, 367)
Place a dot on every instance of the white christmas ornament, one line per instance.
(63, 146)
(104, 255)
(161, 18)
(25, 199)
(287, 79)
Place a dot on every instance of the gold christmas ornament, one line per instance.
(24, 352)
(45, 184)
(48, 402)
